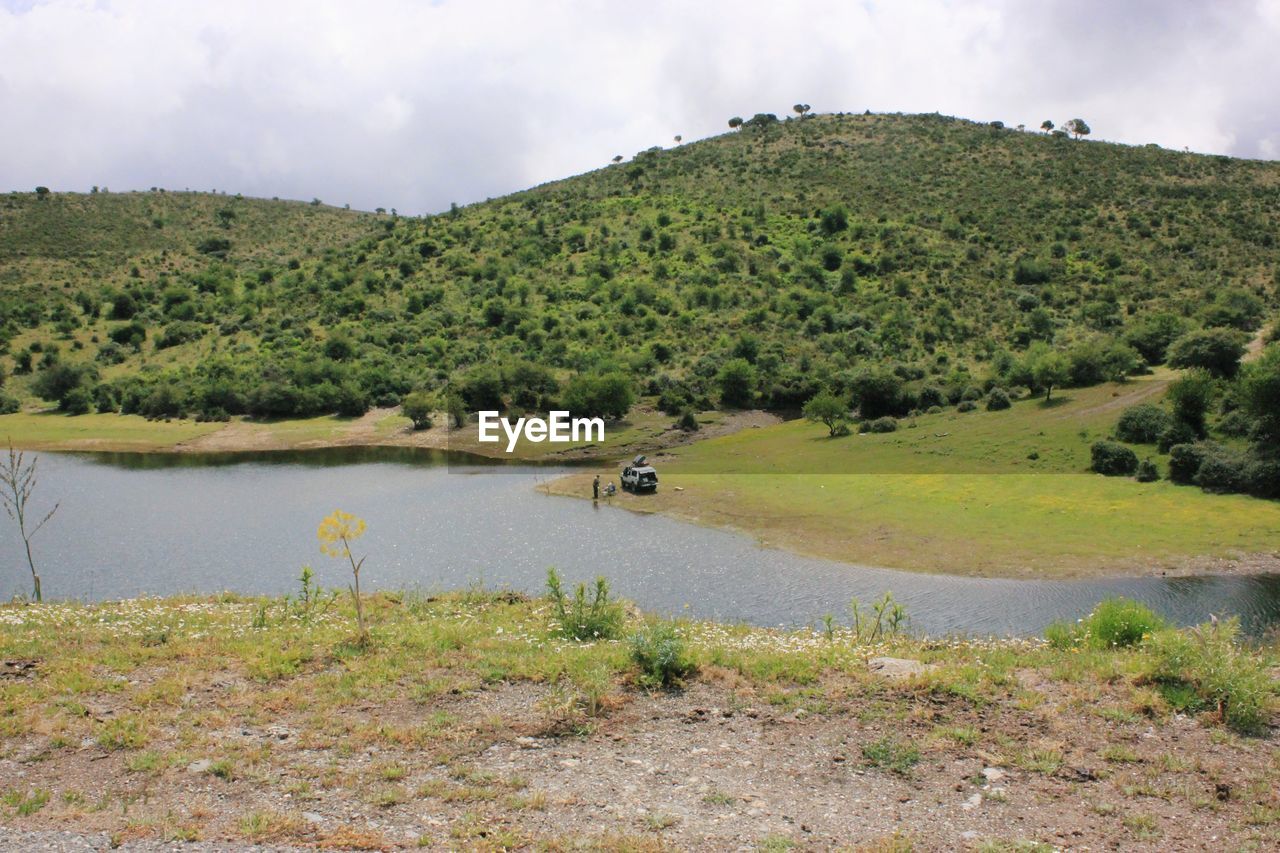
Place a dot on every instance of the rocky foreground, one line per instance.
(472, 722)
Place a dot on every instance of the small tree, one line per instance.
(826, 408)
(419, 407)
(735, 122)
(1050, 370)
(737, 381)
(18, 481)
(1077, 127)
(1191, 396)
(678, 139)
(617, 158)
(1047, 126)
(801, 109)
(336, 533)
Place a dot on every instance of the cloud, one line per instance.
(414, 105)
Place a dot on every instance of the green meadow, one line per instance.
(987, 493)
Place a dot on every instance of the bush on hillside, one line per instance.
(1147, 472)
(882, 425)
(1184, 461)
(998, 400)
(1215, 350)
(1142, 424)
(1112, 459)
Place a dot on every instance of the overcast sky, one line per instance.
(412, 105)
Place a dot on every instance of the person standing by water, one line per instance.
(595, 488)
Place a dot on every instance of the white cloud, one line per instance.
(412, 105)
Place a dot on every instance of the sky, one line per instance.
(414, 105)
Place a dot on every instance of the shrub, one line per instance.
(1184, 462)
(600, 619)
(418, 407)
(1221, 471)
(1191, 396)
(930, 396)
(1142, 424)
(607, 396)
(998, 400)
(1118, 623)
(1261, 478)
(1179, 432)
(877, 392)
(934, 410)
(1215, 350)
(78, 401)
(688, 421)
(1206, 665)
(967, 406)
(660, 653)
(9, 404)
(737, 381)
(1112, 459)
(1147, 472)
(885, 424)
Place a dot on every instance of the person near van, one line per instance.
(595, 488)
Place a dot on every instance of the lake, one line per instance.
(137, 524)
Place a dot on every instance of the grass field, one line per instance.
(958, 494)
(56, 431)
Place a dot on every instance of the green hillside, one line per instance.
(747, 269)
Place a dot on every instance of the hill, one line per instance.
(746, 269)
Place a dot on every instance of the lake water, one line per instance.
(133, 524)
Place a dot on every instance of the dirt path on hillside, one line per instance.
(1253, 349)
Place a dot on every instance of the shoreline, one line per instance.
(1252, 564)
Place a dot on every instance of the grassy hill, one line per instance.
(934, 247)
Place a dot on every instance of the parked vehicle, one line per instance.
(639, 476)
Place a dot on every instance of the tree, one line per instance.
(617, 158)
(42, 192)
(737, 380)
(1260, 393)
(1215, 350)
(1046, 126)
(760, 121)
(877, 392)
(801, 109)
(419, 407)
(1077, 127)
(678, 138)
(1191, 396)
(607, 396)
(826, 408)
(735, 122)
(17, 483)
(1152, 336)
(1049, 370)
